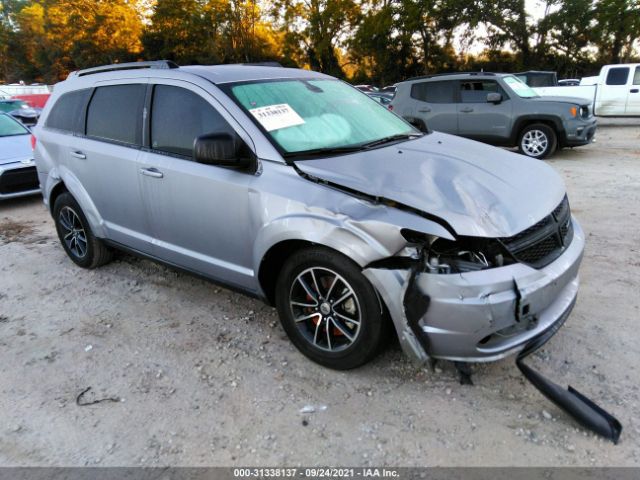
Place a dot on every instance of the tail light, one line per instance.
(33, 142)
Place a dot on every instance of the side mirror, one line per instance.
(494, 97)
(224, 150)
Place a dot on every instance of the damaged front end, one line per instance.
(481, 299)
(474, 299)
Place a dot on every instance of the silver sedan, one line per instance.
(18, 174)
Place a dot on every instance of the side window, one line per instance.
(476, 91)
(618, 76)
(115, 113)
(636, 76)
(434, 92)
(178, 116)
(68, 112)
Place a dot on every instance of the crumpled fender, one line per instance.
(358, 228)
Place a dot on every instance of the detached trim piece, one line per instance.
(415, 304)
(583, 410)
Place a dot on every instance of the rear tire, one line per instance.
(76, 237)
(537, 141)
(329, 310)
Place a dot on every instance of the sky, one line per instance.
(535, 8)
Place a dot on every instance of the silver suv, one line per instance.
(295, 187)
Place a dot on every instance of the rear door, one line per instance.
(106, 160)
(612, 96)
(436, 104)
(199, 213)
(480, 119)
(633, 100)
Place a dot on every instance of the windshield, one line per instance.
(519, 87)
(10, 127)
(318, 115)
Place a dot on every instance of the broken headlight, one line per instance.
(465, 254)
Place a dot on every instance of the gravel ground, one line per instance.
(206, 376)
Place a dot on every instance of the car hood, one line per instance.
(571, 100)
(15, 148)
(477, 189)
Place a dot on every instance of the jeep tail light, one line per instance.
(33, 142)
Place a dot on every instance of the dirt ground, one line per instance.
(206, 376)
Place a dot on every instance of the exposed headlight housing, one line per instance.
(465, 254)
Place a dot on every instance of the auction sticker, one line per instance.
(275, 117)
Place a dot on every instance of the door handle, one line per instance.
(425, 110)
(151, 172)
(634, 90)
(78, 154)
(466, 109)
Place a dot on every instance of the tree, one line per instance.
(383, 51)
(568, 33)
(48, 38)
(314, 30)
(185, 31)
(507, 22)
(209, 32)
(9, 59)
(617, 28)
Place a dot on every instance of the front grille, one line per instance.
(19, 180)
(542, 243)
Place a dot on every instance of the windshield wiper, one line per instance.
(323, 151)
(353, 148)
(392, 138)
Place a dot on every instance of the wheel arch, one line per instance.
(63, 180)
(272, 262)
(58, 189)
(550, 120)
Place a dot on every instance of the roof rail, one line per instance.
(262, 64)
(422, 77)
(161, 64)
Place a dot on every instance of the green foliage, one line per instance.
(617, 26)
(366, 41)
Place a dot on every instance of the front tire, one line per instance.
(537, 141)
(76, 237)
(329, 309)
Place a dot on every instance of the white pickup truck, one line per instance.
(613, 93)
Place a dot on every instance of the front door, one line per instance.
(480, 119)
(199, 213)
(633, 100)
(614, 93)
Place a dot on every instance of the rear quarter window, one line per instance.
(67, 114)
(434, 92)
(115, 113)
